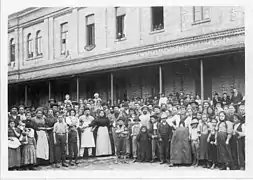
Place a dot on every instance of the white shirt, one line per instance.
(175, 118)
(243, 128)
(163, 100)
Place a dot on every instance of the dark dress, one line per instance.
(212, 149)
(16, 119)
(144, 140)
(29, 152)
(50, 121)
(14, 155)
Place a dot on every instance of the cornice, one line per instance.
(141, 49)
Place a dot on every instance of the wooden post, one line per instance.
(201, 79)
(25, 95)
(160, 80)
(77, 89)
(111, 89)
(49, 90)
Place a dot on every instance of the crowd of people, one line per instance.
(178, 130)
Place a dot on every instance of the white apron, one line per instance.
(103, 144)
(42, 149)
(87, 138)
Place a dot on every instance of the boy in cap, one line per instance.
(135, 131)
(164, 132)
(194, 138)
(121, 135)
(154, 135)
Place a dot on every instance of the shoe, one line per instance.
(71, 164)
(152, 161)
(57, 166)
(171, 165)
(163, 162)
(213, 166)
(64, 165)
(134, 160)
(76, 162)
(242, 168)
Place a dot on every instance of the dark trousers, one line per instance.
(155, 146)
(121, 146)
(164, 148)
(60, 147)
(72, 150)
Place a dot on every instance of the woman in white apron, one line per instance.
(103, 143)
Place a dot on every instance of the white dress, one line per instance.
(87, 138)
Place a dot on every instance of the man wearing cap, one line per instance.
(14, 115)
(54, 106)
(145, 117)
(154, 135)
(60, 139)
(194, 138)
(216, 99)
(134, 132)
(22, 113)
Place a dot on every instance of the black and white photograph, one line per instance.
(126, 88)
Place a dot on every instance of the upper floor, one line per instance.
(48, 35)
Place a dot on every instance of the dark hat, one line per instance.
(51, 100)
(136, 119)
(156, 106)
(120, 119)
(154, 116)
(143, 107)
(53, 104)
(14, 106)
(194, 121)
(216, 93)
(75, 103)
(86, 108)
(194, 103)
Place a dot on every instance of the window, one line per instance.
(64, 38)
(157, 18)
(38, 44)
(90, 29)
(120, 17)
(12, 50)
(200, 13)
(29, 46)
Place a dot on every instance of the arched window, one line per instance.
(38, 43)
(29, 46)
(12, 50)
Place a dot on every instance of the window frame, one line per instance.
(90, 33)
(64, 36)
(12, 49)
(38, 43)
(120, 28)
(29, 46)
(155, 27)
(202, 19)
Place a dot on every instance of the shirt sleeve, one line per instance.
(55, 127)
(229, 127)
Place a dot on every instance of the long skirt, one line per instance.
(238, 151)
(28, 155)
(14, 157)
(180, 152)
(42, 149)
(212, 150)
(103, 143)
(224, 154)
(203, 147)
(52, 157)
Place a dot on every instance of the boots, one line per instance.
(197, 163)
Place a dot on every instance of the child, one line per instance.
(224, 133)
(121, 137)
(67, 101)
(154, 134)
(164, 132)
(143, 140)
(203, 145)
(211, 139)
(29, 153)
(194, 138)
(72, 144)
(135, 131)
(238, 138)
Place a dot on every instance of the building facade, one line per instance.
(124, 52)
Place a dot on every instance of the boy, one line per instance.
(135, 131)
(60, 139)
(164, 132)
(153, 131)
(72, 144)
(194, 138)
(121, 137)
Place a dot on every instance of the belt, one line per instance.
(61, 134)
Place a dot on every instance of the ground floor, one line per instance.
(201, 75)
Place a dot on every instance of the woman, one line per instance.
(42, 147)
(50, 121)
(14, 155)
(72, 120)
(103, 144)
(224, 133)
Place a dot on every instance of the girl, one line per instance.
(14, 156)
(224, 133)
(143, 140)
(203, 128)
(212, 149)
(103, 144)
(29, 151)
(238, 141)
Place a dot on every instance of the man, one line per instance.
(14, 116)
(22, 113)
(60, 132)
(162, 100)
(216, 99)
(157, 112)
(145, 117)
(236, 98)
(54, 106)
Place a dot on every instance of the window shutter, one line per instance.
(197, 13)
(120, 11)
(90, 19)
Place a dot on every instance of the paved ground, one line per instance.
(108, 163)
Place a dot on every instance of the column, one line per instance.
(77, 89)
(25, 95)
(201, 80)
(49, 90)
(111, 89)
(160, 80)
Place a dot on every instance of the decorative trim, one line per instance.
(89, 47)
(139, 50)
